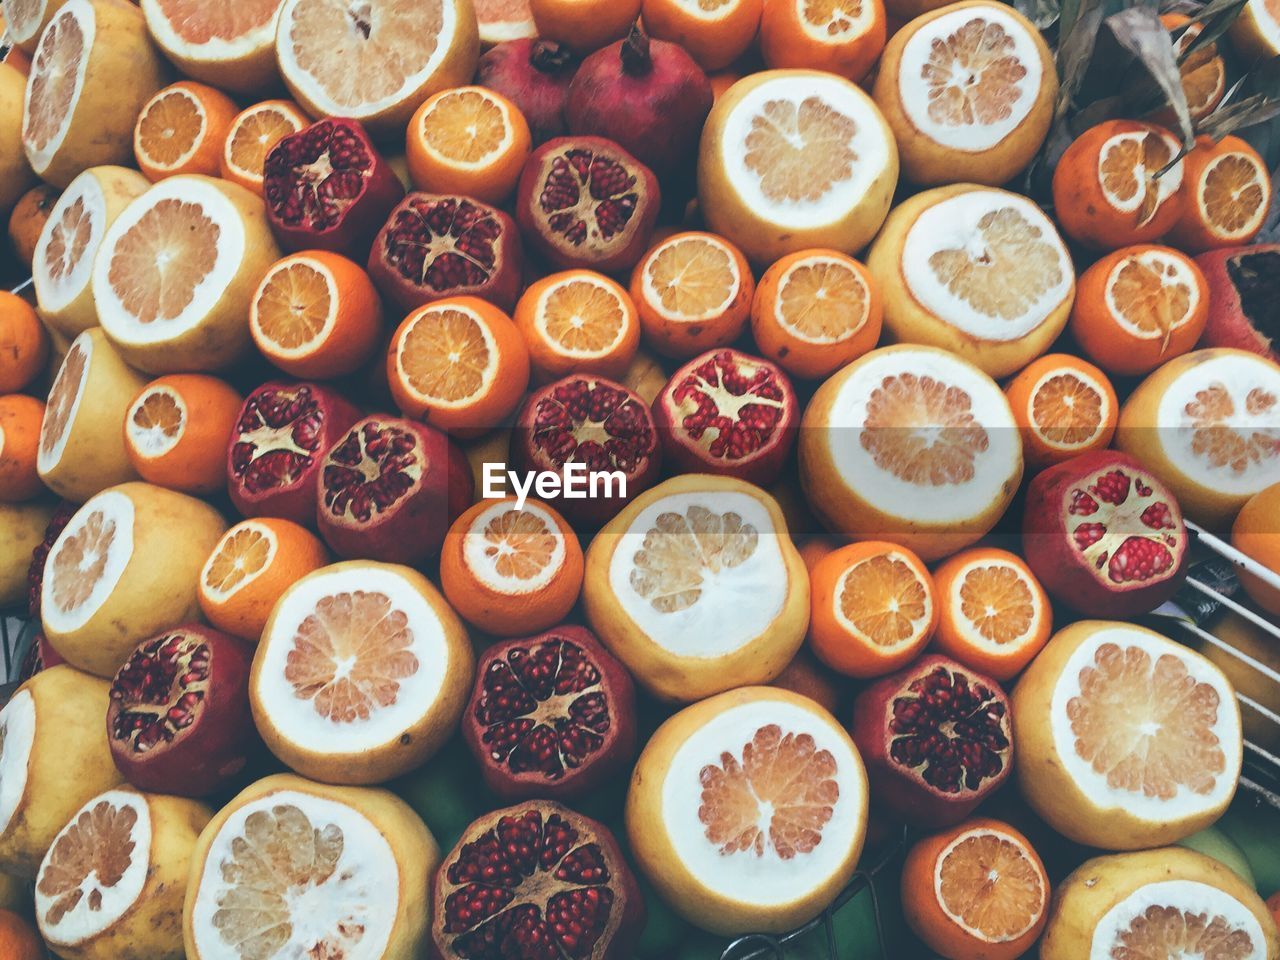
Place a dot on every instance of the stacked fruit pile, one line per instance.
(472, 442)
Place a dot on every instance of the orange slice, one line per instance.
(316, 315)
(578, 321)
(228, 45)
(181, 130)
(468, 140)
(1228, 196)
(177, 429)
(1063, 407)
(252, 135)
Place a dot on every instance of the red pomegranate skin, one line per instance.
(274, 453)
(328, 188)
(534, 75)
(976, 757)
(187, 761)
(1069, 576)
(443, 245)
(1244, 298)
(648, 95)
(397, 517)
(583, 753)
(754, 444)
(62, 515)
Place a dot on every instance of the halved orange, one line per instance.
(714, 32)
(181, 130)
(1204, 75)
(176, 432)
(511, 571)
(873, 608)
(1064, 406)
(816, 310)
(252, 135)
(468, 140)
(459, 363)
(316, 315)
(995, 616)
(841, 36)
(976, 890)
(693, 291)
(251, 566)
(578, 321)
(1228, 193)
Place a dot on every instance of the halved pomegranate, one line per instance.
(728, 413)
(328, 188)
(1104, 535)
(275, 450)
(551, 716)
(535, 881)
(596, 423)
(586, 202)
(445, 245)
(179, 719)
(1244, 298)
(389, 489)
(62, 515)
(936, 739)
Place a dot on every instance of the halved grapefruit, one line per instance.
(502, 20)
(25, 19)
(226, 45)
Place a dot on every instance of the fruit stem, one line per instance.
(550, 57)
(635, 53)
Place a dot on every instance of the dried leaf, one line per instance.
(1217, 17)
(1075, 50)
(1248, 112)
(1138, 30)
(1043, 13)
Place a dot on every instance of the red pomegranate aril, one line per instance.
(551, 716)
(179, 719)
(274, 455)
(534, 75)
(41, 656)
(389, 489)
(937, 740)
(728, 413)
(442, 245)
(328, 188)
(62, 515)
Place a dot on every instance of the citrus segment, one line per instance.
(252, 135)
(201, 23)
(582, 317)
(578, 322)
(231, 46)
(1068, 411)
(176, 432)
(295, 306)
(156, 422)
(449, 357)
(987, 884)
(1127, 169)
(468, 140)
(817, 298)
(242, 556)
(1228, 197)
(883, 599)
(1151, 299)
(53, 89)
(181, 130)
(502, 20)
(156, 267)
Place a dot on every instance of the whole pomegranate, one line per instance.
(728, 413)
(534, 75)
(275, 449)
(595, 423)
(936, 738)
(584, 202)
(389, 489)
(328, 188)
(435, 246)
(1105, 536)
(179, 719)
(649, 96)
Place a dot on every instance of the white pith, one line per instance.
(117, 322)
(1239, 373)
(540, 317)
(317, 91)
(837, 608)
(46, 461)
(1267, 25)
(1104, 405)
(1159, 261)
(993, 468)
(1093, 784)
(811, 261)
(1166, 186)
(82, 12)
(966, 628)
(474, 545)
(82, 922)
(488, 159)
(273, 545)
(737, 605)
(307, 348)
(953, 224)
(153, 442)
(870, 142)
(914, 91)
(56, 294)
(767, 880)
(857, 25)
(956, 918)
(487, 376)
(18, 729)
(214, 49)
(22, 31)
(116, 508)
(498, 31)
(196, 141)
(1189, 896)
(363, 889)
(692, 8)
(295, 718)
(654, 297)
(1261, 176)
